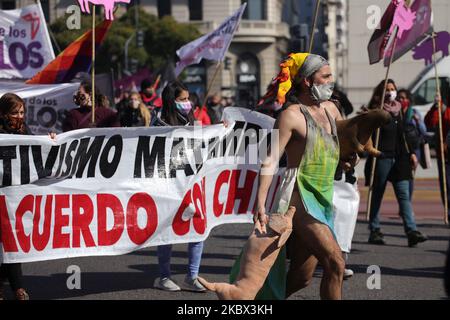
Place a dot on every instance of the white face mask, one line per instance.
(391, 95)
(322, 92)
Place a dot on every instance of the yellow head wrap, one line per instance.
(290, 68)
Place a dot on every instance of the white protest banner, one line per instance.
(25, 46)
(211, 46)
(46, 104)
(112, 191)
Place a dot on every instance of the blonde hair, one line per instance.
(145, 113)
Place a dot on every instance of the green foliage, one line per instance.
(162, 38)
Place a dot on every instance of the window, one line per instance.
(427, 91)
(256, 10)
(8, 5)
(164, 8)
(195, 10)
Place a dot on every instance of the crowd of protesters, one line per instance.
(400, 144)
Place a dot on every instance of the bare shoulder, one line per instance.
(332, 108)
(291, 116)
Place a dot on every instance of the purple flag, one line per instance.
(380, 37)
(410, 38)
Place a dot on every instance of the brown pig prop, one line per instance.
(355, 134)
(259, 255)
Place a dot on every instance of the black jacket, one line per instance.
(393, 145)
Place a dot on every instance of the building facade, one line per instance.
(254, 54)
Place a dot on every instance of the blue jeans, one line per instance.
(401, 189)
(195, 250)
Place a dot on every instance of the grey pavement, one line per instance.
(406, 273)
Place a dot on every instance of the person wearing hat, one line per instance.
(307, 133)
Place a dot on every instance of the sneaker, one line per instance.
(415, 237)
(21, 294)
(193, 285)
(348, 273)
(376, 237)
(167, 284)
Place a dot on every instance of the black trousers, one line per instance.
(12, 272)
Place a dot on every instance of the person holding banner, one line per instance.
(177, 111)
(396, 164)
(12, 121)
(80, 118)
(307, 132)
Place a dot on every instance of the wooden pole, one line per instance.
(377, 137)
(313, 29)
(93, 66)
(441, 137)
(211, 83)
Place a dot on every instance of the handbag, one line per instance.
(425, 156)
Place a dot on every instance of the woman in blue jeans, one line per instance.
(396, 164)
(177, 111)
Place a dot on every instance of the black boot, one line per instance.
(415, 237)
(376, 237)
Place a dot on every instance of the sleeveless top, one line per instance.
(315, 174)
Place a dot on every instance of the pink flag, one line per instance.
(410, 38)
(381, 36)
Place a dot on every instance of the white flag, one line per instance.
(211, 46)
(25, 46)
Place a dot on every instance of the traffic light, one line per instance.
(139, 38)
(227, 63)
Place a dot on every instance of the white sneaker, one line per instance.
(167, 284)
(348, 273)
(193, 285)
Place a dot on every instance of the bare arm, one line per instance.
(284, 125)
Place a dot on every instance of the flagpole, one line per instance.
(377, 137)
(313, 29)
(219, 64)
(93, 65)
(441, 137)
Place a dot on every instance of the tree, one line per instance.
(162, 37)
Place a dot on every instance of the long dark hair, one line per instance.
(169, 112)
(375, 101)
(8, 102)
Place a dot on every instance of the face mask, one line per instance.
(391, 95)
(322, 92)
(135, 104)
(184, 107)
(405, 104)
(78, 99)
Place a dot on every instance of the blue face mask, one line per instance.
(184, 107)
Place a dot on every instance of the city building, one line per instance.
(252, 59)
